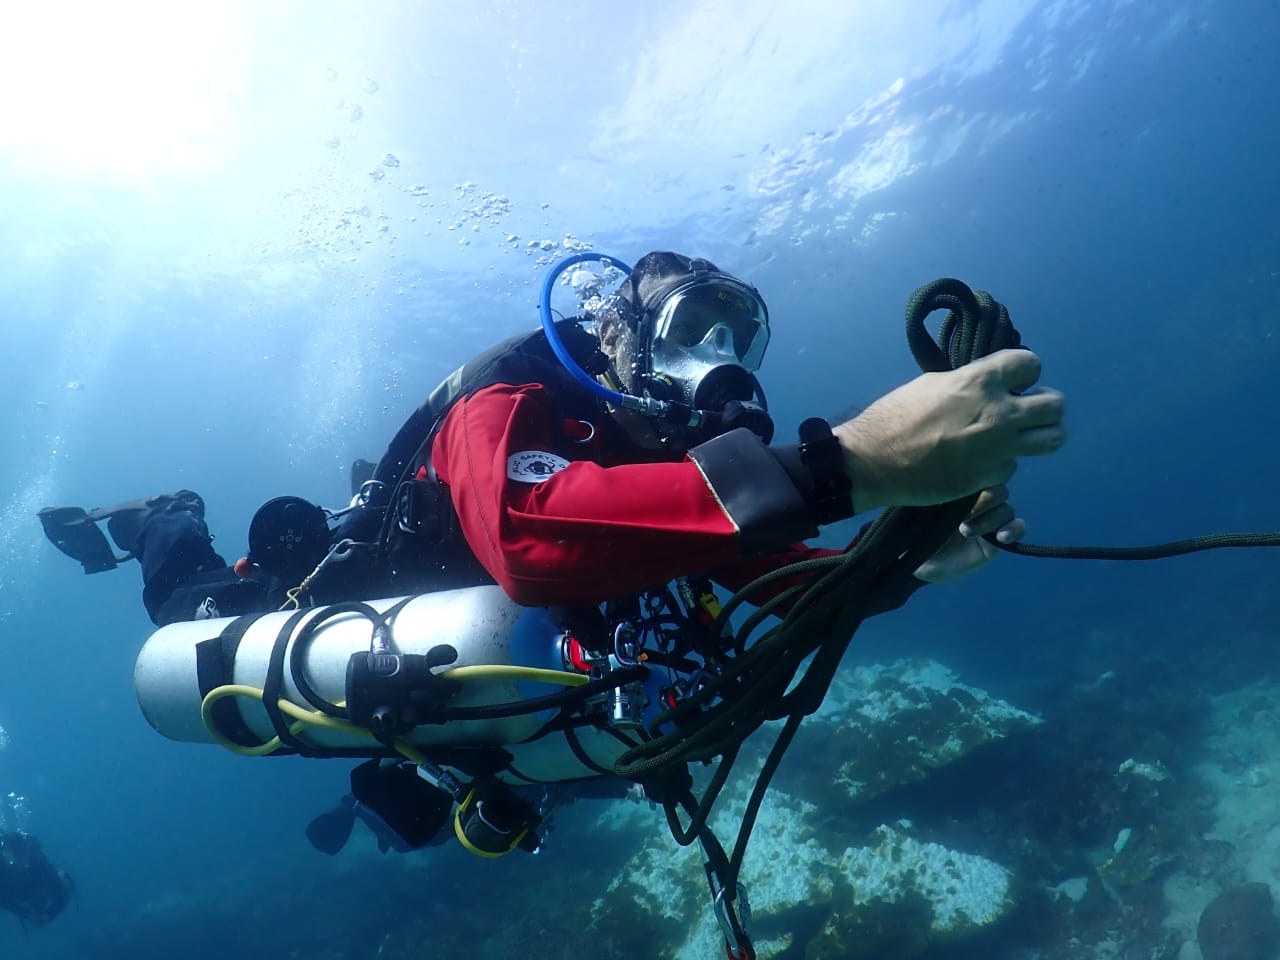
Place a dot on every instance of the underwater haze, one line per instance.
(243, 241)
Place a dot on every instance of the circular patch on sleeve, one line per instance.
(534, 466)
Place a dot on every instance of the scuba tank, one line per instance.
(460, 672)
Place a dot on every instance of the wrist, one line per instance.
(829, 487)
(869, 488)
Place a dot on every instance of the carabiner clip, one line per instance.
(733, 923)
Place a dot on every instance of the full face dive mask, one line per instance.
(702, 343)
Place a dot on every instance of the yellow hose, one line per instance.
(499, 671)
(303, 718)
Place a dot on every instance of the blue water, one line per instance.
(334, 210)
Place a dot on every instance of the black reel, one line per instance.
(288, 537)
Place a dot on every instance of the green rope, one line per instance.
(1158, 551)
(786, 672)
(968, 333)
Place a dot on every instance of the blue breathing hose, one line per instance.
(553, 336)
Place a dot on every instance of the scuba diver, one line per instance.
(31, 887)
(557, 512)
(513, 473)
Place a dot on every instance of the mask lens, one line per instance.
(696, 312)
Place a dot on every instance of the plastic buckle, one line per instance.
(422, 509)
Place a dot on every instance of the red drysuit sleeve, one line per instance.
(586, 533)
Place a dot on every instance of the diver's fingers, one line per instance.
(1043, 408)
(989, 521)
(1013, 531)
(990, 497)
(1013, 370)
(1039, 440)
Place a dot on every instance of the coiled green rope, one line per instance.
(786, 672)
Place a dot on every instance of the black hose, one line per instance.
(302, 644)
(1157, 551)
(572, 697)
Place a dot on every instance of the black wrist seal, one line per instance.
(832, 495)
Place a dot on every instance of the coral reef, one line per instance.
(906, 720)
(1239, 924)
(811, 893)
(1132, 818)
(894, 896)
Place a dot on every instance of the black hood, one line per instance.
(658, 273)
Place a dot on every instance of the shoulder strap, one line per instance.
(525, 358)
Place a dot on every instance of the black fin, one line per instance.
(404, 811)
(330, 831)
(71, 531)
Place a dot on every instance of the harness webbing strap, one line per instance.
(215, 667)
(273, 684)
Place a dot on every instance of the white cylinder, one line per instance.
(482, 624)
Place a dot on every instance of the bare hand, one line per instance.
(966, 550)
(946, 435)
